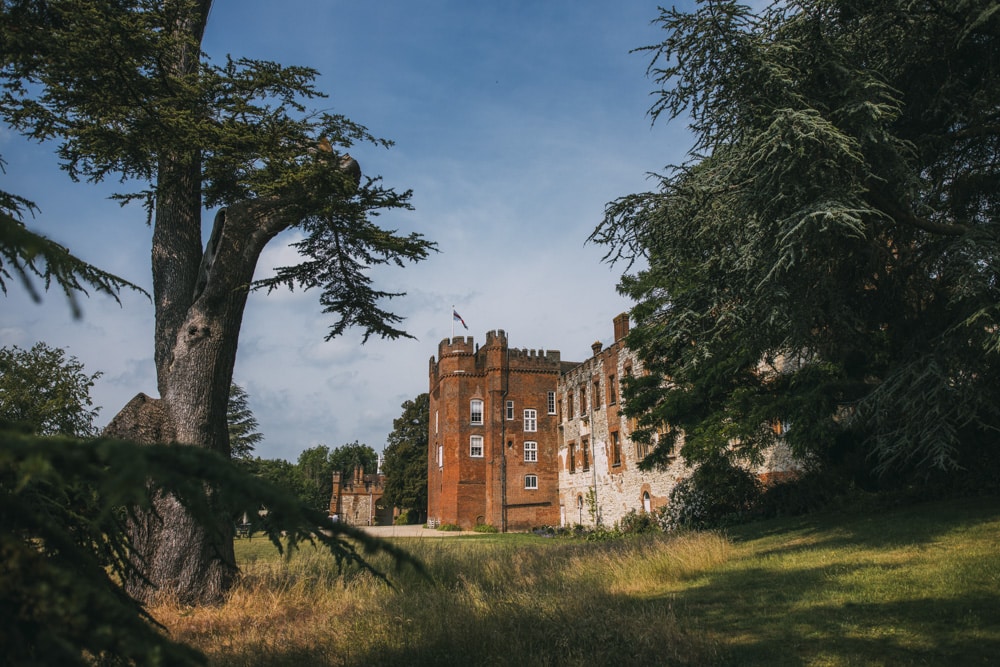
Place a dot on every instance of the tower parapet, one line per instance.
(461, 355)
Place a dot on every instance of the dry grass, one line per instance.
(490, 602)
(917, 586)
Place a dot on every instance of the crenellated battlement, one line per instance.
(461, 355)
(535, 359)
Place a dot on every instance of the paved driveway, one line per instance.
(412, 531)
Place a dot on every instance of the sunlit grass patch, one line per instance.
(915, 586)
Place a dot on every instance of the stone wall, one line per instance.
(585, 465)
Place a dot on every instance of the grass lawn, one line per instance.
(914, 586)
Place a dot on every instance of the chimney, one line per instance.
(596, 347)
(621, 326)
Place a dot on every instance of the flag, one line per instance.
(455, 317)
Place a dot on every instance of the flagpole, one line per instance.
(453, 321)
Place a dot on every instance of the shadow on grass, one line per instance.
(758, 617)
(919, 586)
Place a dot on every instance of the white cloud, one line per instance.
(515, 124)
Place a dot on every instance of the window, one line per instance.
(552, 402)
(440, 456)
(476, 411)
(647, 506)
(510, 409)
(569, 404)
(583, 399)
(616, 449)
(436, 421)
(571, 456)
(641, 450)
(586, 455)
(531, 481)
(612, 392)
(476, 446)
(597, 394)
(530, 452)
(530, 421)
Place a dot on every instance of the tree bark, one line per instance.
(199, 302)
(202, 311)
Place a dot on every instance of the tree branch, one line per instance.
(899, 214)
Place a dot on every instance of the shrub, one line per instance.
(717, 494)
(403, 519)
(449, 527)
(638, 523)
(602, 534)
(484, 528)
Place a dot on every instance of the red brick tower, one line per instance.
(493, 443)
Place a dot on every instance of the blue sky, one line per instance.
(514, 123)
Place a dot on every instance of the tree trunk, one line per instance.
(199, 298)
(177, 555)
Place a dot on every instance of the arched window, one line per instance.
(646, 505)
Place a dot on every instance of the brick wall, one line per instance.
(586, 468)
(467, 488)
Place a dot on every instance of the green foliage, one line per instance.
(316, 465)
(484, 528)
(405, 464)
(46, 392)
(828, 257)
(243, 433)
(120, 87)
(449, 527)
(281, 474)
(718, 493)
(638, 523)
(64, 504)
(405, 518)
(353, 455)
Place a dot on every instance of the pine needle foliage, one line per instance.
(825, 264)
(64, 507)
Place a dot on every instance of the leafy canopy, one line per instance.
(126, 94)
(825, 263)
(45, 392)
(405, 465)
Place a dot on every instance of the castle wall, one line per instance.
(489, 485)
(582, 463)
(599, 478)
(357, 499)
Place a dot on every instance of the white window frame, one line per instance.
(475, 443)
(530, 451)
(440, 456)
(552, 402)
(510, 410)
(531, 482)
(476, 416)
(530, 420)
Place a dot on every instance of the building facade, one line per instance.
(520, 438)
(493, 445)
(599, 476)
(357, 499)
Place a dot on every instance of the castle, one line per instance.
(519, 438)
(357, 499)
